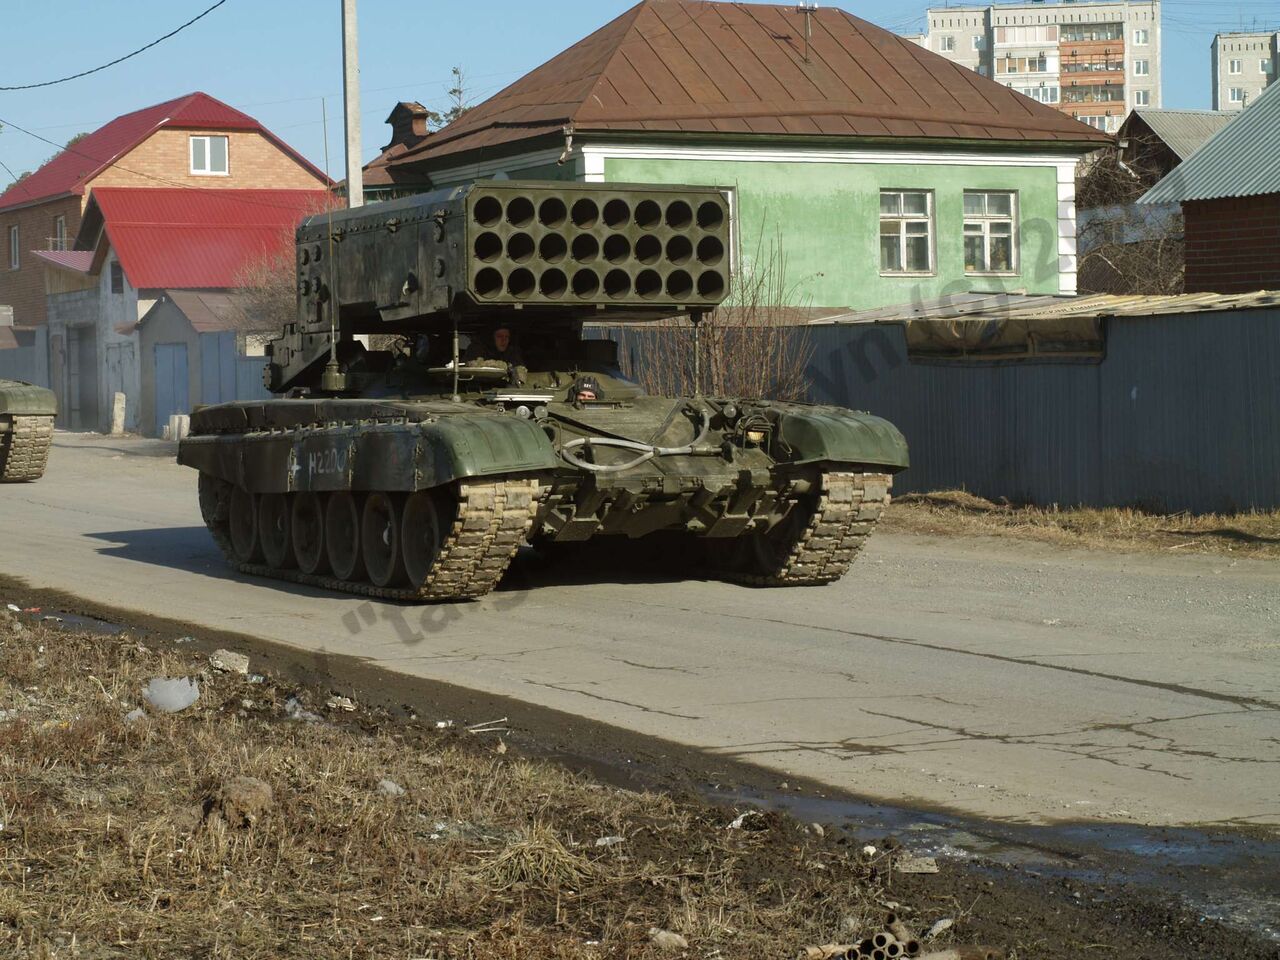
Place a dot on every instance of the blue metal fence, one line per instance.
(226, 375)
(1181, 413)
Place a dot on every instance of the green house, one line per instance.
(876, 171)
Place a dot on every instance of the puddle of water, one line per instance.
(75, 621)
(1229, 877)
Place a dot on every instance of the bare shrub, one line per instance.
(1126, 248)
(751, 346)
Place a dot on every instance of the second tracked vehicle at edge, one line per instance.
(416, 472)
(27, 415)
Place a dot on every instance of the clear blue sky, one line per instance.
(275, 59)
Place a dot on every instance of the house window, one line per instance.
(1142, 98)
(209, 156)
(1237, 95)
(906, 231)
(1141, 37)
(1264, 67)
(117, 277)
(989, 235)
(977, 43)
(1142, 68)
(15, 261)
(947, 44)
(59, 233)
(1236, 66)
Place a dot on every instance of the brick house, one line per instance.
(1229, 190)
(883, 171)
(134, 307)
(194, 141)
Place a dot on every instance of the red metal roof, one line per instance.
(81, 261)
(69, 171)
(196, 239)
(693, 66)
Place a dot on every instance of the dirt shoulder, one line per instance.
(270, 818)
(957, 513)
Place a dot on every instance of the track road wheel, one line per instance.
(380, 539)
(273, 530)
(342, 536)
(817, 540)
(243, 520)
(215, 510)
(306, 525)
(421, 536)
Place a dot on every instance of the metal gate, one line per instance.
(172, 384)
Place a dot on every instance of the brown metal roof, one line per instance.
(694, 66)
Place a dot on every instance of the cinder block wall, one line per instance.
(1233, 244)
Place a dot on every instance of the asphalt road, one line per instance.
(1001, 679)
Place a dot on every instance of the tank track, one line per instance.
(24, 450)
(848, 508)
(492, 522)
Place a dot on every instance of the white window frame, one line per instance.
(902, 220)
(207, 139)
(1236, 95)
(1141, 37)
(15, 248)
(984, 221)
(1264, 66)
(977, 42)
(947, 44)
(1142, 68)
(60, 232)
(1142, 98)
(1235, 67)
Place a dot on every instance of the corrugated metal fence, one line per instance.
(1181, 413)
(226, 375)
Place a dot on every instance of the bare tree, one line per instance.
(1125, 247)
(458, 102)
(268, 283)
(753, 345)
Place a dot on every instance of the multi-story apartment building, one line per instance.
(1244, 64)
(1093, 61)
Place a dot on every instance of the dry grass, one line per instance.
(112, 844)
(957, 513)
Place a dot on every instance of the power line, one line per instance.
(85, 73)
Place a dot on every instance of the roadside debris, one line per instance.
(910, 864)
(608, 841)
(897, 940)
(939, 928)
(134, 715)
(228, 661)
(171, 695)
(294, 710)
(341, 703)
(743, 818)
(666, 940)
(389, 788)
(242, 801)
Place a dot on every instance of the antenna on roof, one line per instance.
(808, 8)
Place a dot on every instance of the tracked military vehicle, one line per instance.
(416, 472)
(26, 430)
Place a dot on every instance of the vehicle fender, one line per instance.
(21, 399)
(373, 456)
(837, 435)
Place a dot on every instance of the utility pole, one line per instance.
(351, 104)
